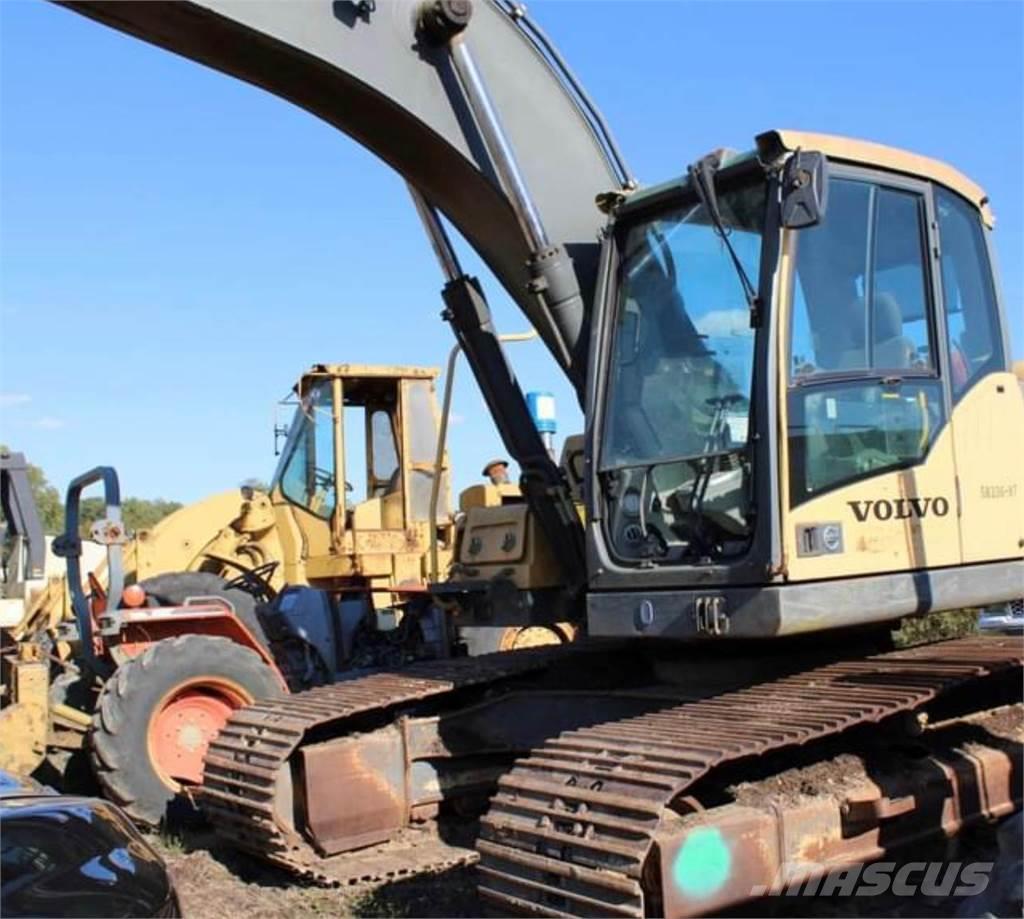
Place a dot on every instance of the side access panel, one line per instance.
(988, 436)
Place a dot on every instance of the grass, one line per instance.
(919, 630)
(172, 841)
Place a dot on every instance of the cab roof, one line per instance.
(363, 371)
(772, 144)
(867, 153)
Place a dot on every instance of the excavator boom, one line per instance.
(372, 71)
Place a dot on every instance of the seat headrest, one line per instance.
(888, 317)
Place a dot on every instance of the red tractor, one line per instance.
(152, 671)
(173, 657)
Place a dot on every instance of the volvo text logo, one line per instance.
(900, 509)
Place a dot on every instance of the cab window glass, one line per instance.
(860, 298)
(863, 393)
(307, 474)
(384, 458)
(422, 439)
(972, 326)
(842, 432)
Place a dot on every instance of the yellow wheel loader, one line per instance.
(347, 506)
(358, 506)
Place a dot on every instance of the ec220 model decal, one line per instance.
(900, 509)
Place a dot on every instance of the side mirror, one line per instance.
(804, 190)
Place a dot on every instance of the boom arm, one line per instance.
(374, 72)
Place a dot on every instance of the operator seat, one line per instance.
(850, 348)
(892, 348)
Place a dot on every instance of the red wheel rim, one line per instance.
(185, 722)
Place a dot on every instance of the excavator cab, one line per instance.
(351, 494)
(803, 398)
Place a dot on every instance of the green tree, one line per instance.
(137, 513)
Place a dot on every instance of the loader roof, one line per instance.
(373, 370)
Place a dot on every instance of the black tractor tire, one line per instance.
(174, 588)
(132, 697)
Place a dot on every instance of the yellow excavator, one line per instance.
(802, 424)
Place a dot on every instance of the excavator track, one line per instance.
(571, 830)
(246, 766)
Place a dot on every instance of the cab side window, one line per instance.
(972, 326)
(860, 300)
(384, 473)
(864, 394)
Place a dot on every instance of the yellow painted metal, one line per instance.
(23, 720)
(988, 438)
(338, 432)
(880, 156)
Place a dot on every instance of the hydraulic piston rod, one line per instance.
(497, 143)
(553, 278)
(543, 485)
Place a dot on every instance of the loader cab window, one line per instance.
(421, 433)
(864, 395)
(385, 475)
(860, 297)
(972, 323)
(307, 471)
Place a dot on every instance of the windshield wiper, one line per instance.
(702, 178)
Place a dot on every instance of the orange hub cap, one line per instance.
(183, 726)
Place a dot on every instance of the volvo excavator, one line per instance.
(802, 424)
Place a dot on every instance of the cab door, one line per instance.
(869, 479)
(988, 403)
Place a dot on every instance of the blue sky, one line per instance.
(176, 246)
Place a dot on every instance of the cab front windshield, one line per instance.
(306, 472)
(675, 463)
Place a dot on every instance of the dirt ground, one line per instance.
(214, 882)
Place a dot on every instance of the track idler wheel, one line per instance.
(158, 713)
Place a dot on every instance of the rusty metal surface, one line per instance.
(571, 830)
(247, 787)
(368, 776)
(722, 857)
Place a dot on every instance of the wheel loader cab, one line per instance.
(801, 423)
(352, 489)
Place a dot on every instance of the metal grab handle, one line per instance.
(440, 467)
(110, 532)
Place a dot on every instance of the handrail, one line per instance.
(442, 436)
(109, 531)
